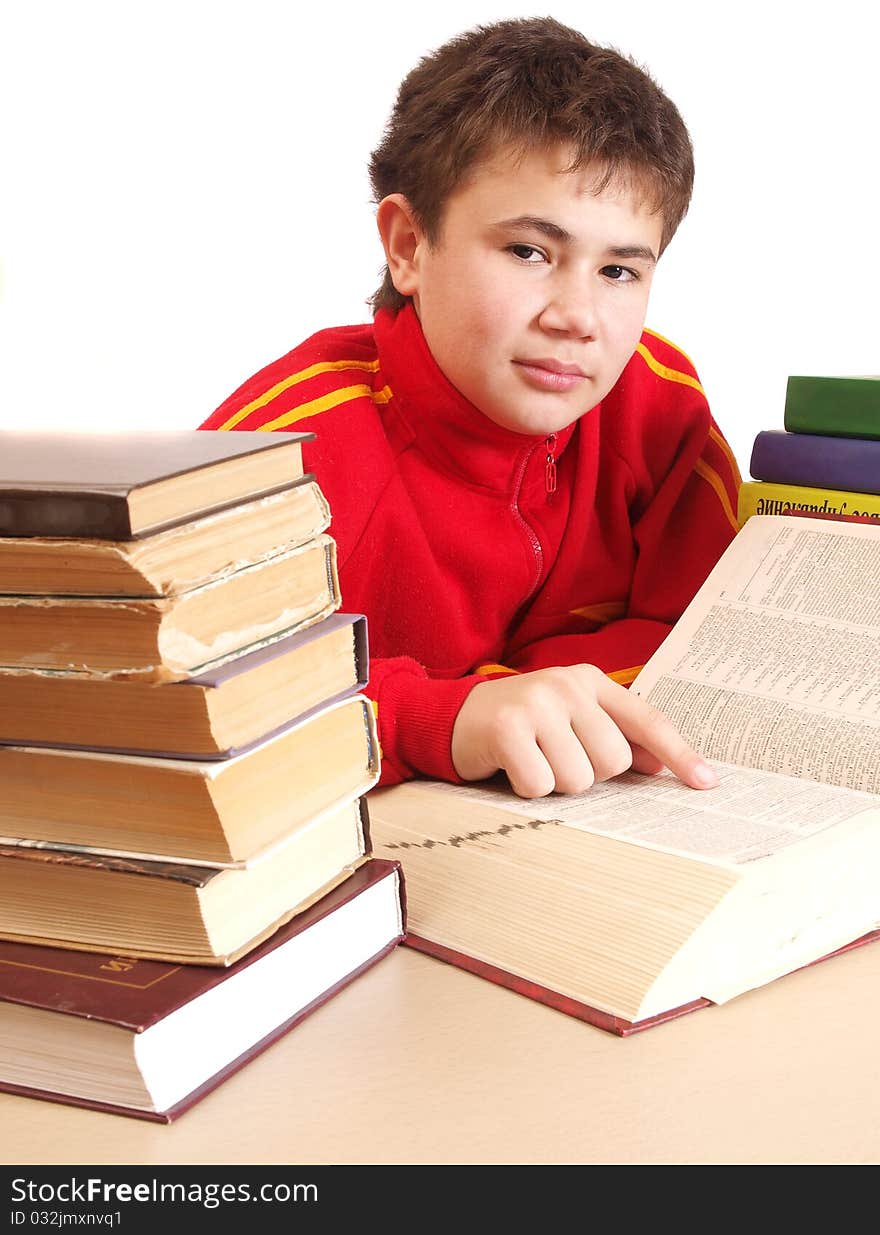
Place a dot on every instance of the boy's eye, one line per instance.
(619, 274)
(526, 253)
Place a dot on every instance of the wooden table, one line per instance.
(417, 1062)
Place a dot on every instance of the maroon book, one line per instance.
(183, 1028)
(119, 486)
(573, 1007)
(833, 516)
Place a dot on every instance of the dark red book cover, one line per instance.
(136, 994)
(833, 516)
(573, 1007)
(79, 484)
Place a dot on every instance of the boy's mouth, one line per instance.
(551, 374)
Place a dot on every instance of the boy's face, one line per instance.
(534, 295)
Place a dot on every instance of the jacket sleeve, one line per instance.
(415, 715)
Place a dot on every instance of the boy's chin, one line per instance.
(534, 422)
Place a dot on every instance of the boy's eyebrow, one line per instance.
(635, 251)
(554, 232)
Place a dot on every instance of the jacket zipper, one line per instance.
(550, 486)
(550, 465)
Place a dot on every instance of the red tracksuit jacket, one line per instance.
(451, 541)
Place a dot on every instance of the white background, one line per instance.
(183, 191)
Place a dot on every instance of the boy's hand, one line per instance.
(563, 729)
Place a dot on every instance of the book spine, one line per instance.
(101, 516)
(817, 461)
(757, 497)
(838, 407)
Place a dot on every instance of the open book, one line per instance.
(643, 898)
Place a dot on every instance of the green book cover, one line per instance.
(837, 406)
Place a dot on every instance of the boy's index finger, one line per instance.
(640, 722)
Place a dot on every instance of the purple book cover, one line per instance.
(815, 460)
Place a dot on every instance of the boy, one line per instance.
(526, 489)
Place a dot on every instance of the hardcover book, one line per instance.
(149, 1039)
(71, 897)
(843, 406)
(168, 638)
(819, 461)
(763, 497)
(177, 559)
(643, 898)
(212, 812)
(215, 714)
(119, 485)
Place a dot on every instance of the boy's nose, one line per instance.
(571, 310)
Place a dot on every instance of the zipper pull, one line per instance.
(550, 465)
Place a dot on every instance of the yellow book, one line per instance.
(763, 497)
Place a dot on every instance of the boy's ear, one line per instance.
(401, 238)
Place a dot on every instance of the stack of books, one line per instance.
(826, 460)
(185, 858)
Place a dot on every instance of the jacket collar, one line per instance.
(446, 426)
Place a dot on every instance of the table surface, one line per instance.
(419, 1062)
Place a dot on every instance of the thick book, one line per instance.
(840, 406)
(225, 811)
(574, 1007)
(643, 897)
(120, 485)
(174, 560)
(168, 638)
(70, 897)
(150, 1039)
(764, 497)
(215, 714)
(820, 461)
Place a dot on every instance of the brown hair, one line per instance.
(527, 83)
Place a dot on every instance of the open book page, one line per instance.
(750, 815)
(775, 662)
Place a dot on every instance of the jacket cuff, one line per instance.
(422, 713)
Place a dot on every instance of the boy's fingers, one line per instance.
(643, 761)
(530, 774)
(609, 751)
(571, 763)
(525, 764)
(644, 725)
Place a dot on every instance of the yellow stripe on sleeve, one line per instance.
(487, 669)
(657, 335)
(329, 366)
(669, 375)
(606, 611)
(625, 676)
(315, 406)
(728, 454)
(711, 477)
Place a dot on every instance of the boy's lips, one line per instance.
(551, 374)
